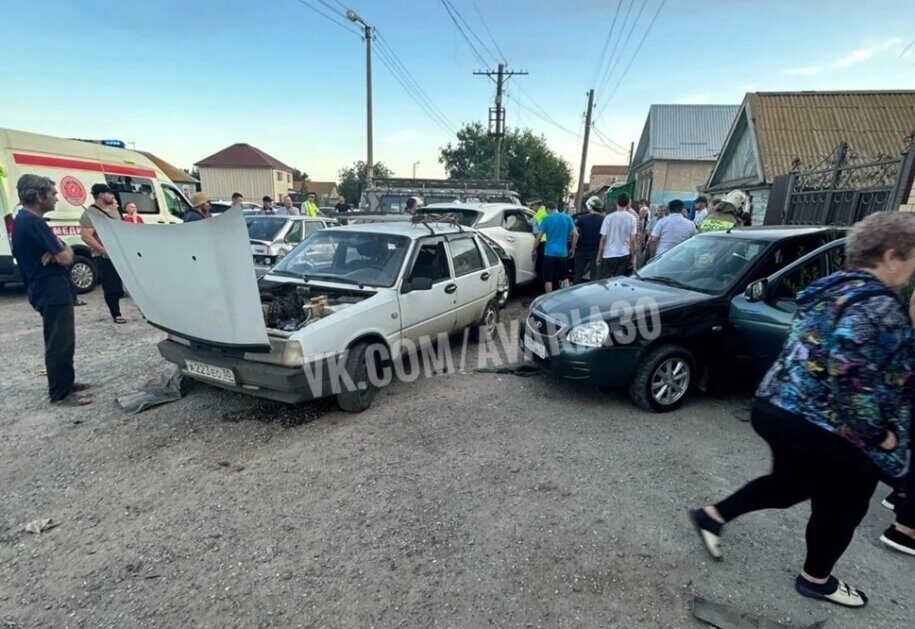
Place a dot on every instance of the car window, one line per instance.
(264, 227)
(466, 256)
(836, 258)
(367, 258)
(787, 253)
(790, 284)
(134, 190)
(295, 232)
(177, 206)
(431, 261)
(516, 221)
(491, 256)
(709, 264)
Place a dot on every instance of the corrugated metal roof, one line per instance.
(810, 125)
(243, 155)
(609, 169)
(172, 172)
(693, 132)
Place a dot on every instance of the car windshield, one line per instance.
(708, 264)
(264, 227)
(465, 217)
(351, 257)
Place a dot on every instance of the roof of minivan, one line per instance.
(486, 209)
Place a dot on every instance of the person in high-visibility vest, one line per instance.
(726, 214)
(310, 208)
(540, 213)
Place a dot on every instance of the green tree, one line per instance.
(527, 161)
(352, 179)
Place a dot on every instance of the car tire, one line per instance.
(357, 366)
(506, 295)
(84, 274)
(663, 378)
(485, 329)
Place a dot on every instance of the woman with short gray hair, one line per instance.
(835, 408)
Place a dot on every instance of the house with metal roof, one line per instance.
(245, 169)
(678, 149)
(774, 133)
(187, 183)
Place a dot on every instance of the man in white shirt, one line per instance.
(618, 235)
(671, 230)
(287, 209)
(701, 206)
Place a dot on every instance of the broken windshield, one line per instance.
(352, 257)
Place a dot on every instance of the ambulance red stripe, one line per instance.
(78, 164)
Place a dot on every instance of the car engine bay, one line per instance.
(288, 307)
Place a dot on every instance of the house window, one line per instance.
(288, 177)
(279, 176)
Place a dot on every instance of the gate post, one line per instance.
(841, 156)
(906, 174)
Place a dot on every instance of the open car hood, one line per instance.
(195, 280)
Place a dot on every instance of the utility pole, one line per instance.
(497, 114)
(415, 164)
(584, 151)
(631, 148)
(370, 160)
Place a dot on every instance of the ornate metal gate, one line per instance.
(842, 189)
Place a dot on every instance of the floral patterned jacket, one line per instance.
(847, 365)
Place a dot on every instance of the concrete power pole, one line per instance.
(367, 29)
(497, 115)
(584, 152)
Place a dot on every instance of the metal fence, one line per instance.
(842, 189)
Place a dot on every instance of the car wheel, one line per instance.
(84, 274)
(357, 366)
(485, 328)
(506, 289)
(662, 378)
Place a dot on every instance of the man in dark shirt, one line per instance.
(342, 205)
(200, 209)
(105, 202)
(44, 263)
(588, 226)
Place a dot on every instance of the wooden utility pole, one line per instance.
(584, 152)
(497, 114)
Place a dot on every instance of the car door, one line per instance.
(472, 277)
(518, 225)
(761, 317)
(427, 313)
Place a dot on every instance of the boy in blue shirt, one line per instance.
(557, 228)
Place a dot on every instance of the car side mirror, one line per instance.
(757, 291)
(418, 283)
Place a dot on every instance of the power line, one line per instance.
(620, 46)
(412, 82)
(607, 141)
(333, 9)
(342, 6)
(464, 34)
(470, 30)
(488, 32)
(339, 23)
(603, 52)
(390, 64)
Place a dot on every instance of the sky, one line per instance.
(186, 78)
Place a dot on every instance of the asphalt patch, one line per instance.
(286, 415)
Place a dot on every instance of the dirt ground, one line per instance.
(465, 500)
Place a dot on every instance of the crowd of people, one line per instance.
(835, 408)
(599, 244)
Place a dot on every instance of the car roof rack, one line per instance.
(448, 218)
(443, 184)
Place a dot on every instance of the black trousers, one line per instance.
(59, 346)
(585, 264)
(809, 463)
(111, 286)
(613, 267)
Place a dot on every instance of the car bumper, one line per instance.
(284, 384)
(597, 366)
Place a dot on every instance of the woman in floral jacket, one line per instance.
(835, 408)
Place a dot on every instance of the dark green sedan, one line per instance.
(720, 300)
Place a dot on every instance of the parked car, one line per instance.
(248, 207)
(719, 300)
(382, 289)
(511, 226)
(272, 237)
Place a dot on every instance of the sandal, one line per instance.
(73, 400)
(120, 320)
(833, 591)
(709, 531)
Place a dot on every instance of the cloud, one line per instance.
(856, 56)
(805, 71)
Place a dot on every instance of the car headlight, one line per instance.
(589, 334)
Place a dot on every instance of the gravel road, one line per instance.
(464, 500)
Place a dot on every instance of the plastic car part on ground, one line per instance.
(170, 390)
(726, 617)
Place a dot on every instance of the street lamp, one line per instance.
(370, 162)
(415, 164)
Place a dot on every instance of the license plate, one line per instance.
(535, 346)
(219, 374)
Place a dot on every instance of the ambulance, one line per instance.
(75, 166)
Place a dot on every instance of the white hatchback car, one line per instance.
(272, 236)
(326, 320)
(510, 226)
